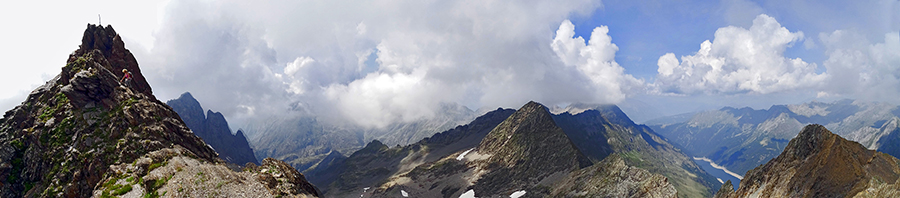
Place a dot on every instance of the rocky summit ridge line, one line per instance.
(84, 134)
(818, 163)
(499, 154)
(213, 128)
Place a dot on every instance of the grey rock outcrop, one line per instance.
(612, 178)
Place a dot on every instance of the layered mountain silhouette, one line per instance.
(304, 141)
(528, 151)
(214, 130)
(818, 163)
(601, 130)
(741, 139)
(85, 134)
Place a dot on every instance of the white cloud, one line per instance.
(740, 60)
(378, 62)
(596, 61)
(297, 85)
(861, 69)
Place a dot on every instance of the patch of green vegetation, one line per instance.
(122, 190)
(156, 165)
(28, 186)
(52, 190)
(57, 136)
(219, 185)
(110, 188)
(130, 101)
(155, 185)
(17, 166)
(48, 111)
(18, 144)
(633, 158)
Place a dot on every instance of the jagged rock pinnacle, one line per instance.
(108, 43)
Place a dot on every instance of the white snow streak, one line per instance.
(468, 194)
(517, 194)
(460, 157)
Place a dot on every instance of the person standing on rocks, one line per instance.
(126, 79)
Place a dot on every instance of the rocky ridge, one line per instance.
(526, 153)
(818, 163)
(375, 163)
(612, 178)
(85, 134)
(214, 130)
(601, 130)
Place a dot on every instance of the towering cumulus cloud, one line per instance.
(378, 62)
(740, 60)
(596, 61)
(860, 68)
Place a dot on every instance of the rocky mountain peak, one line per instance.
(63, 138)
(818, 163)
(525, 148)
(85, 134)
(109, 44)
(812, 138)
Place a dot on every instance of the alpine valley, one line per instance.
(741, 139)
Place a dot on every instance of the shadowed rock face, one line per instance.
(818, 163)
(83, 133)
(526, 148)
(214, 130)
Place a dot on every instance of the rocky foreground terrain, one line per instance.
(818, 163)
(84, 134)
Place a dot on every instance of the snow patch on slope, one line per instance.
(461, 156)
(517, 194)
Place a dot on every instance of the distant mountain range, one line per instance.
(214, 130)
(305, 141)
(529, 151)
(741, 139)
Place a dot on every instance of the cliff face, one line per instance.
(84, 134)
(818, 163)
(214, 130)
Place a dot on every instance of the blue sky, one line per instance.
(382, 61)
